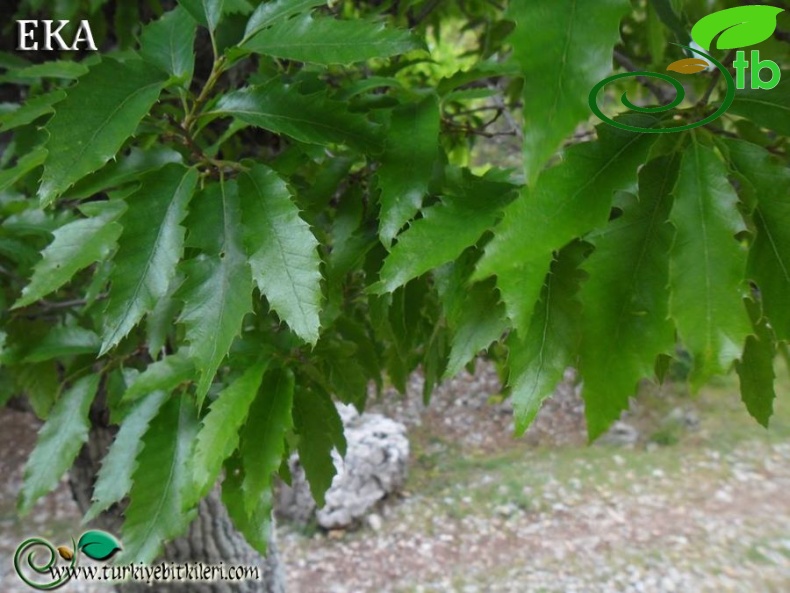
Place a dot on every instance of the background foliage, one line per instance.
(236, 212)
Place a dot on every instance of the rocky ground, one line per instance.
(689, 495)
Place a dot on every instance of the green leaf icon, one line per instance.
(739, 27)
(98, 545)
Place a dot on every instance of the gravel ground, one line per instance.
(544, 514)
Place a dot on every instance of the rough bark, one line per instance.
(211, 538)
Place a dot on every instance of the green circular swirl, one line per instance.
(24, 548)
(680, 94)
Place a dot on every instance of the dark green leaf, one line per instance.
(206, 12)
(769, 109)
(163, 375)
(756, 368)
(94, 121)
(63, 341)
(269, 13)
(59, 441)
(31, 110)
(168, 44)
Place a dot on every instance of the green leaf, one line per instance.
(270, 13)
(66, 69)
(168, 44)
(206, 12)
(539, 356)
(625, 323)
(74, 246)
(769, 257)
(31, 110)
(442, 233)
(163, 375)
(769, 109)
(666, 13)
(320, 430)
(114, 479)
(330, 41)
(59, 442)
(479, 321)
(24, 165)
(94, 121)
(756, 368)
(739, 27)
(219, 435)
(263, 436)
(124, 170)
(563, 47)
(255, 527)
(217, 293)
(569, 201)
(63, 341)
(148, 249)
(707, 265)
(98, 545)
(160, 483)
(40, 383)
(314, 119)
(282, 251)
(407, 164)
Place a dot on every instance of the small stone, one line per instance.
(375, 522)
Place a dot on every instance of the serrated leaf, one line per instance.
(563, 48)
(479, 321)
(65, 69)
(282, 251)
(756, 368)
(74, 246)
(160, 483)
(625, 323)
(162, 375)
(255, 527)
(59, 442)
(330, 41)
(769, 109)
(98, 545)
(63, 341)
(94, 120)
(707, 265)
(124, 170)
(407, 164)
(769, 256)
(206, 12)
(538, 357)
(269, 13)
(263, 436)
(314, 119)
(740, 26)
(114, 479)
(168, 44)
(320, 430)
(217, 292)
(24, 165)
(148, 249)
(219, 434)
(40, 384)
(31, 110)
(569, 201)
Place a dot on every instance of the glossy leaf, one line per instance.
(270, 13)
(330, 41)
(569, 201)
(59, 442)
(160, 483)
(625, 324)
(148, 249)
(563, 48)
(707, 265)
(768, 109)
(94, 121)
(314, 119)
(217, 293)
(114, 479)
(168, 44)
(407, 164)
(282, 251)
(206, 12)
(31, 110)
(219, 434)
(162, 375)
(769, 256)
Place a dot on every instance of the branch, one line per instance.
(626, 63)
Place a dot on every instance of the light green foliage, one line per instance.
(256, 221)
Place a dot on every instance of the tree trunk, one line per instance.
(211, 538)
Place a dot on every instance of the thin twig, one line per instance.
(626, 63)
